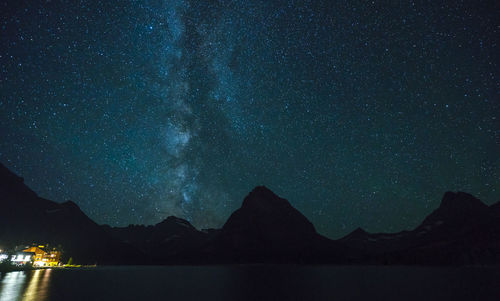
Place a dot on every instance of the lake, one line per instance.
(253, 282)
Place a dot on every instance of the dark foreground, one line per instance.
(254, 282)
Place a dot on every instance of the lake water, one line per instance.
(253, 282)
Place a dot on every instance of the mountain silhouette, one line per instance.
(462, 230)
(266, 229)
(458, 208)
(170, 240)
(265, 218)
(26, 218)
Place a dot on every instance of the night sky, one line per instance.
(360, 113)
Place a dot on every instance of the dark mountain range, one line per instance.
(266, 228)
(26, 218)
(170, 240)
(463, 230)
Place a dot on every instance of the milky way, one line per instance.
(361, 114)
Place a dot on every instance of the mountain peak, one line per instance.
(264, 212)
(262, 189)
(262, 198)
(461, 201)
(458, 206)
(175, 221)
(359, 230)
(357, 234)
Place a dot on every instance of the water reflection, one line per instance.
(25, 286)
(11, 285)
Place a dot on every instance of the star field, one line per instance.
(359, 113)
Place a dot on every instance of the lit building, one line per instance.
(21, 258)
(44, 258)
(39, 252)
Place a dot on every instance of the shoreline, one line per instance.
(7, 269)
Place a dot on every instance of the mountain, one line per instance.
(265, 229)
(26, 218)
(462, 230)
(167, 241)
(458, 208)
(268, 228)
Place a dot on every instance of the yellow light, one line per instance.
(37, 286)
(39, 263)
